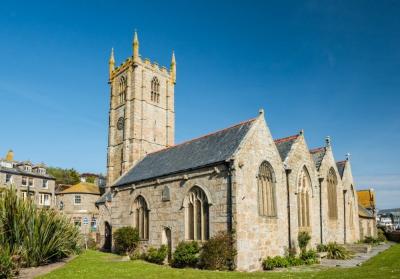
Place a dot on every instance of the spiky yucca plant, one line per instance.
(37, 236)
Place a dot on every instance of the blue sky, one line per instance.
(328, 67)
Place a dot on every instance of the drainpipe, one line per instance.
(344, 216)
(230, 168)
(288, 171)
(320, 207)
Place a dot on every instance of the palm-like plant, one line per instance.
(37, 236)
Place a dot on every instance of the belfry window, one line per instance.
(332, 194)
(155, 90)
(122, 90)
(303, 199)
(266, 190)
(141, 217)
(196, 215)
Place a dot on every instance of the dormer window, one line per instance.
(155, 90)
(27, 168)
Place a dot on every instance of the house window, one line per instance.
(196, 215)
(332, 194)
(8, 178)
(44, 183)
(24, 181)
(155, 90)
(30, 181)
(44, 199)
(266, 190)
(77, 199)
(28, 168)
(24, 195)
(303, 199)
(77, 221)
(141, 217)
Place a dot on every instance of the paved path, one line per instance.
(32, 272)
(358, 258)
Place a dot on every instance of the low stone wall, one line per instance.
(393, 236)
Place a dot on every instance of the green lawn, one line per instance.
(92, 264)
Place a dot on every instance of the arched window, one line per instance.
(332, 194)
(155, 90)
(266, 190)
(122, 90)
(303, 199)
(196, 215)
(141, 217)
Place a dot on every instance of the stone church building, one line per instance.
(237, 179)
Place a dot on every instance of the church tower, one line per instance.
(141, 116)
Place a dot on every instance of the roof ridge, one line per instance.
(286, 138)
(315, 150)
(204, 136)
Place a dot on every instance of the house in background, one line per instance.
(389, 218)
(26, 178)
(367, 213)
(78, 203)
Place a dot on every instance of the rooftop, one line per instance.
(83, 188)
(207, 150)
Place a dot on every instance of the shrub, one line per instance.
(34, 236)
(321, 248)
(7, 265)
(126, 240)
(371, 240)
(91, 243)
(274, 262)
(294, 261)
(381, 235)
(303, 238)
(309, 257)
(186, 255)
(155, 255)
(336, 251)
(218, 253)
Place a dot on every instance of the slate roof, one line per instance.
(82, 187)
(284, 145)
(104, 198)
(18, 171)
(318, 155)
(207, 150)
(340, 166)
(363, 212)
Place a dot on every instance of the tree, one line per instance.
(64, 176)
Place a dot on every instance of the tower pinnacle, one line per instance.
(111, 63)
(173, 68)
(135, 46)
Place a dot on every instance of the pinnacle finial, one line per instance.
(348, 155)
(135, 46)
(173, 58)
(112, 55)
(173, 68)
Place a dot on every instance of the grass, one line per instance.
(93, 264)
